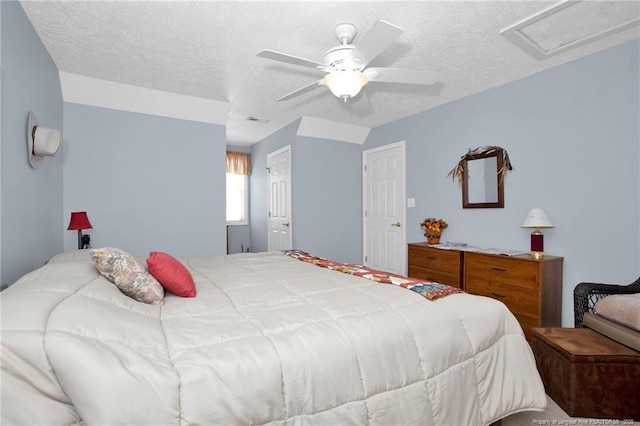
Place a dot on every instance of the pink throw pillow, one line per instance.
(172, 274)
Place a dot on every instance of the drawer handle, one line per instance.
(495, 268)
(432, 258)
(498, 295)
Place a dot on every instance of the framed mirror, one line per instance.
(482, 185)
(481, 172)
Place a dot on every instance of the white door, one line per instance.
(384, 208)
(279, 172)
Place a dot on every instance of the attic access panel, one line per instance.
(571, 24)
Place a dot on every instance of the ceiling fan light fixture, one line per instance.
(345, 84)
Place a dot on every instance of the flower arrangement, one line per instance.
(434, 225)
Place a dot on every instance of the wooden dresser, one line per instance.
(432, 264)
(531, 288)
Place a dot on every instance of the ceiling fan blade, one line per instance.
(401, 75)
(379, 37)
(289, 59)
(300, 91)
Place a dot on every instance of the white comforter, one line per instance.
(268, 339)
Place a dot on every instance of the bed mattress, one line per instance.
(267, 340)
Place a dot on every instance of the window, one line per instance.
(238, 170)
(237, 196)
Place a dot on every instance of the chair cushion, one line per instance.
(614, 331)
(621, 308)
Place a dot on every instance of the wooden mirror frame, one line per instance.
(466, 204)
(503, 165)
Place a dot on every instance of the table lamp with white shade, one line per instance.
(536, 218)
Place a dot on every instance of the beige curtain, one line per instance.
(239, 163)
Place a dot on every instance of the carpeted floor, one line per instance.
(554, 415)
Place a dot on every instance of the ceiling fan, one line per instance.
(346, 64)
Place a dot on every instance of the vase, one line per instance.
(433, 237)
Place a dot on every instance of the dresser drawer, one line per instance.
(432, 264)
(530, 288)
(448, 278)
(521, 302)
(510, 270)
(432, 258)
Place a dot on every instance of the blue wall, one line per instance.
(326, 194)
(572, 133)
(31, 219)
(327, 198)
(259, 203)
(148, 183)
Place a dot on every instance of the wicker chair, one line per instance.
(585, 296)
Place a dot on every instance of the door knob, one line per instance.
(396, 224)
(285, 224)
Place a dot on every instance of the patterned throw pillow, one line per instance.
(128, 274)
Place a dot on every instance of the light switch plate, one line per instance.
(411, 202)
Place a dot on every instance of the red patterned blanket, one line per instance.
(430, 290)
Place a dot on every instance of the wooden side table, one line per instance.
(588, 374)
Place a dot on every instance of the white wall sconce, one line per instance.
(41, 141)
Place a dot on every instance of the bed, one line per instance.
(268, 339)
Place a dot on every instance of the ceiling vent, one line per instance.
(257, 120)
(570, 24)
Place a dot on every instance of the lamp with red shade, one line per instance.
(80, 221)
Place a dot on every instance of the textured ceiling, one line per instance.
(207, 49)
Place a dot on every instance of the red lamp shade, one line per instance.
(79, 220)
